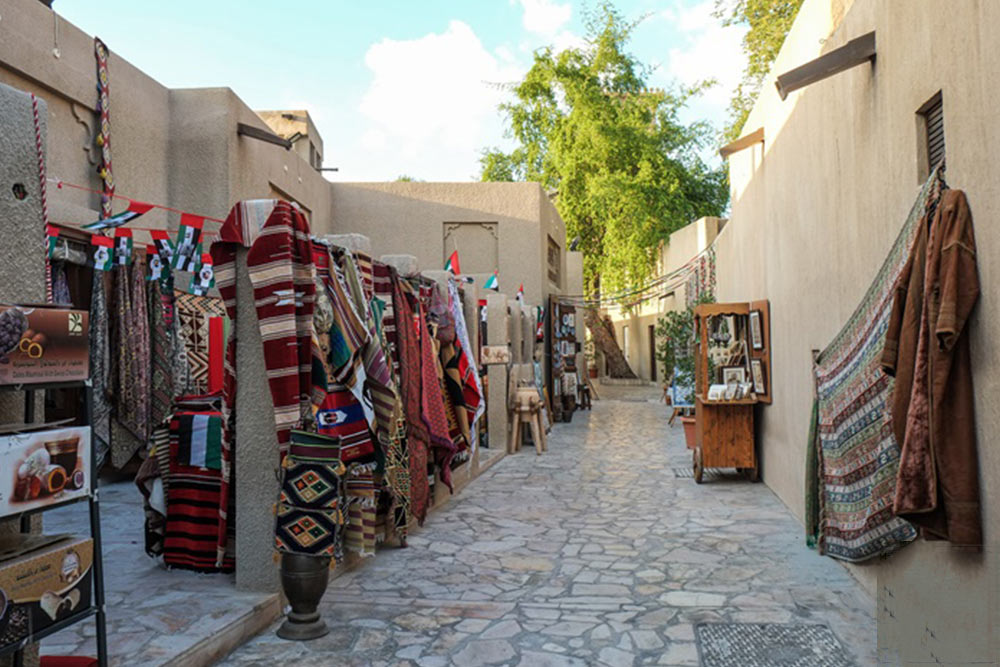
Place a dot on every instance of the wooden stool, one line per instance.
(527, 411)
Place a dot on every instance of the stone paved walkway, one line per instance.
(592, 554)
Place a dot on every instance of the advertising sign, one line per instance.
(40, 344)
(43, 468)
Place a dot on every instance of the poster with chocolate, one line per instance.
(40, 344)
(43, 468)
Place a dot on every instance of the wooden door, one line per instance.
(652, 353)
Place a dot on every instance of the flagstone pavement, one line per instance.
(592, 554)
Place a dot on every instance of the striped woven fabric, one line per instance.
(853, 454)
(367, 274)
(281, 271)
(197, 526)
(472, 388)
(340, 415)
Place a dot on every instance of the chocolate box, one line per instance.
(42, 343)
(43, 584)
(42, 468)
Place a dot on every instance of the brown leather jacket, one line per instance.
(927, 349)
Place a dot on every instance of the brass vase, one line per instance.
(304, 580)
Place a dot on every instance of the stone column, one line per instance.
(256, 459)
(22, 253)
(352, 242)
(496, 407)
(405, 265)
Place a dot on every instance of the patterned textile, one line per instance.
(281, 271)
(366, 273)
(310, 512)
(133, 386)
(169, 374)
(60, 285)
(100, 367)
(853, 460)
(385, 277)
(410, 363)
(147, 479)
(432, 403)
(472, 388)
(340, 415)
(194, 314)
(196, 525)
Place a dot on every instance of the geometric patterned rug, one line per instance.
(193, 315)
(769, 645)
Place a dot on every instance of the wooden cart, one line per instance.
(725, 427)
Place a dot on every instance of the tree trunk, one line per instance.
(604, 338)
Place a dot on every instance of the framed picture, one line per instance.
(717, 392)
(733, 375)
(757, 367)
(756, 330)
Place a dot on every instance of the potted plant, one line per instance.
(675, 353)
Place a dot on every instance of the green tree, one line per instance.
(769, 22)
(627, 171)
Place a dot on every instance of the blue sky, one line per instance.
(396, 87)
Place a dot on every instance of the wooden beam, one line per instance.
(746, 141)
(856, 52)
(245, 130)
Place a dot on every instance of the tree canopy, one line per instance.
(769, 22)
(626, 170)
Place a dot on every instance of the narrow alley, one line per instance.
(605, 551)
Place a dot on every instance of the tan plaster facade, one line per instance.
(814, 212)
(634, 325)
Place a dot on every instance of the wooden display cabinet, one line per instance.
(730, 337)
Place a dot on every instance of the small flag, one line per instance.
(204, 280)
(134, 210)
(154, 263)
(452, 264)
(520, 293)
(103, 251)
(52, 237)
(123, 246)
(493, 282)
(163, 246)
(187, 249)
(540, 323)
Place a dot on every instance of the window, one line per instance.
(555, 262)
(931, 132)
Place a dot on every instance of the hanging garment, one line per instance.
(927, 348)
(132, 392)
(169, 375)
(472, 389)
(410, 365)
(854, 456)
(100, 367)
(432, 400)
(280, 265)
(195, 315)
(310, 513)
(198, 525)
(149, 480)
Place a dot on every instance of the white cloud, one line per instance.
(432, 102)
(712, 51)
(544, 17)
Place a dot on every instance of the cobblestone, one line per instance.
(593, 554)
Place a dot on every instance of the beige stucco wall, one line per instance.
(682, 246)
(172, 147)
(814, 212)
(409, 217)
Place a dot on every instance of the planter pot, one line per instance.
(593, 372)
(690, 431)
(304, 580)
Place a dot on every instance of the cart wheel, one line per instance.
(699, 469)
(753, 474)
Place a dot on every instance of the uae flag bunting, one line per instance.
(204, 280)
(187, 248)
(154, 263)
(51, 238)
(103, 251)
(493, 282)
(452, 264)
(134, 210)
(163, 246)
(123, 247)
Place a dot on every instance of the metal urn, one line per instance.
(304, 580)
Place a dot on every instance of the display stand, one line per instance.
(96, 607)
(725, 427)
